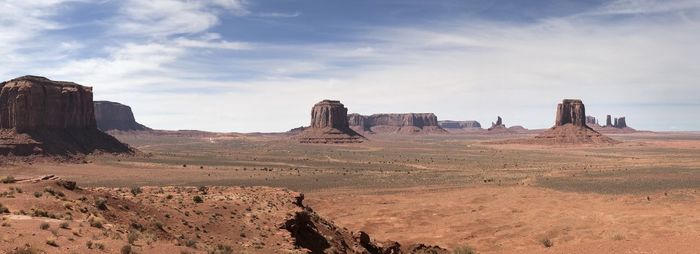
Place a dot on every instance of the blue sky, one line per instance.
(247, 65)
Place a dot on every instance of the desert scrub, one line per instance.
(96, 222)
(8, 179)
(136, 190)
(126, 249)
(3, 209)
(44, 226)
(101, 203)
(197, 199)
(132, 237)
(221, 249)
(463, 250)
(38, 194)
(546, 242)
(64, 225)
(52, 241)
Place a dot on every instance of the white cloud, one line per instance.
(162, 18)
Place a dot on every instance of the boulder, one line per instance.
(406, 123)
(329, 124)
(116, 116)
(41, 116)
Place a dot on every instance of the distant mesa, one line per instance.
(116, 116)
(406, 123)
(329, 124)
(449, 124)
(570, 127)
(45, 117)
(591, 121)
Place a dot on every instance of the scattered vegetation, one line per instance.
(463, 250)
(8, 179)
(136, 190)
(52, 241)
(101, 203)
(546, 242)
(126, 249)
(64, 225)
(221, 249)
(197, 199)
(38, 194)
(44, 226)
(4, 209)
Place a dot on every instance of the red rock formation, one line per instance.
(40, 116)
(116, 116)
(329, 124)
(408, 123)
(608, 121)
(571, 112)
(498, 126)
(570, 127)
(32, 103)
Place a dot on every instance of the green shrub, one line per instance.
(44, 226)
(197, 199)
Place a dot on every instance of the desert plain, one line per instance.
(451, 190)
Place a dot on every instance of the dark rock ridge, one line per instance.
(407, 123)
(448, 124)
(329, 124)
(116, 116)
(41, 116)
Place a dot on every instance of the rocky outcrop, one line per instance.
(329, 124)
(116, 116)
(408, 123)
(498, 126)
(608, 121)
(571, 112)
(41, 116)
(448, 124)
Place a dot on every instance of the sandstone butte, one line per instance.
(329, 124)
(41, 116)
(116, 116)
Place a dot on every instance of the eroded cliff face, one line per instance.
(44, 117)
(116, 116)
(34, 103)
(408, 123)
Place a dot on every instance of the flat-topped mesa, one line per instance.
(449, 124)
(403, 123)
(329, 124)
(571, 111)
(41, 116)
(116, 116)
(36, 103)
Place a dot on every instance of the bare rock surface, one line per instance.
(116, 116)
(406, 123)
(329, 124)
(45, 117)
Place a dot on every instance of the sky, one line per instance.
(260, 65)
